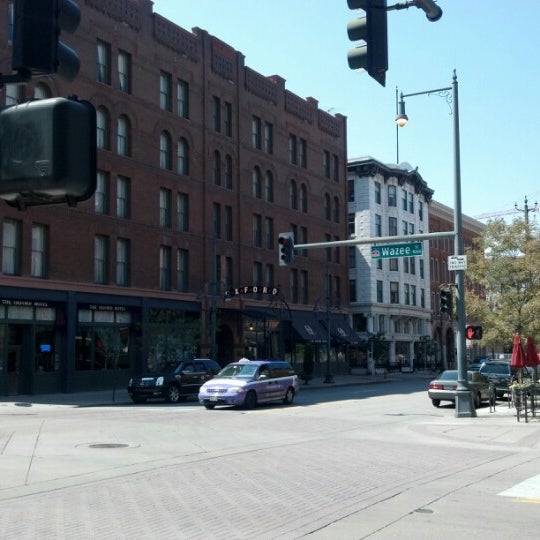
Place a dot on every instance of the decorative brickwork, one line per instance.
(124, 11)
(223, 57)
(260, 86)
(298, 106)
(329, 124)
(172, 36)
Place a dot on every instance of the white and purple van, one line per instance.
(248, 382)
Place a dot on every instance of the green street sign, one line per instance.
(389, 251)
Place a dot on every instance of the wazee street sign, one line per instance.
(410, 249)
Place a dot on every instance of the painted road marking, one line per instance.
(528, 491)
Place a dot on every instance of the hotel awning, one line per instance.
(308, 327)
(340, 328)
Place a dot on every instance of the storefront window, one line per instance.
(102, 348)
(46, 357)
(171, 336)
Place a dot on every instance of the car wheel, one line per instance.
(289, 397)
(209, 406)
(477, 400)
(139, 399)
(436, 402)
(173, 394)
(250, 401)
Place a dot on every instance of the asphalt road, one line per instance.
(353, 462)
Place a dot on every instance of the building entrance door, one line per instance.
(19, 361)
(14, 368)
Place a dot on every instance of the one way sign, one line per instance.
(457, 262)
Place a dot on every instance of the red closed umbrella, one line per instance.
(531, 356)
(518, 356)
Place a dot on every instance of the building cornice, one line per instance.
(370, 167)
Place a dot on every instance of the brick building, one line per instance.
(201, 163)
(441, 218)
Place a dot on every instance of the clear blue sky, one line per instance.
(493, 45)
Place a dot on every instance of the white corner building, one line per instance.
(389, 296)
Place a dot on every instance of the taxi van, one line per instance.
(247, 383)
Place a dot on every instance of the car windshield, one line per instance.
(242, 371)
(452, 375)
(160, 367)
(501, 369)
(448, 376)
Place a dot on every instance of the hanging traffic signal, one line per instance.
(474, 332)
(36, 37)
(446, 301)
(47, 152)
(286, 248)
(373, 30)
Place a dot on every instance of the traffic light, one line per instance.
(36, 37)
(286, 248)
(446, 301)
(473, 332)
(373, 30)
(47, 152)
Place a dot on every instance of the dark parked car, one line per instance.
(172, 382)
(476, 364)
(443, 388)
(501, 375)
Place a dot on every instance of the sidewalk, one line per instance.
(119, 396)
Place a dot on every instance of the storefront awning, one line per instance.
(308, 327)
(340, 328)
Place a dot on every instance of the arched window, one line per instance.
(303, 198)
(123, 136)
(256, 183)
(182, 154)
(293, 195)
(165, 149)
(269, 186)
(103, 130)
(327, 208)
(216, 168)
(228, 172)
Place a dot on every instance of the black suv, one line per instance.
(500, 374)
(172, 382)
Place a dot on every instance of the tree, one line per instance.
(503, 281)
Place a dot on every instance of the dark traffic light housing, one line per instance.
(446, 301)
(37, 48)
(373, 30)
(286, 248)
(47, 152)
(473, 332)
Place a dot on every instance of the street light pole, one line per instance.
(328, 379)
(464, 401)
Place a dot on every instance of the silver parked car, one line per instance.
(443, 388)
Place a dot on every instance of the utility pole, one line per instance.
(526, 210)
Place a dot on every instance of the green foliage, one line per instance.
(503, 281)
(379, 346)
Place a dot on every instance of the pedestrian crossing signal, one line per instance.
(473, 332)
